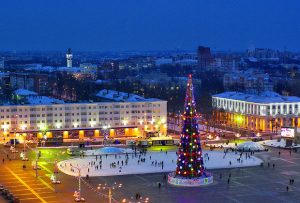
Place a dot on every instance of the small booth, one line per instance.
(161, 141)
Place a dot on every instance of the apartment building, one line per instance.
(48, 118)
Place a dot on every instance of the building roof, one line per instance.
(24, 92)
(264, 97)
(43, 100)
(122, 96)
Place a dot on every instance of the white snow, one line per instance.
(252, 146)
(217, 159)
(24, 92)
(43, 100)
(222, 145)
(276, 143)
(122, 96)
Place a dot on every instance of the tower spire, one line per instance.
(69, 57)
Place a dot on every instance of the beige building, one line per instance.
(46, 117)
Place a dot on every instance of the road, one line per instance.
(24, 184)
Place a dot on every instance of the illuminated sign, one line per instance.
(288, 132)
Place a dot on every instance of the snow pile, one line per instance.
(154, 162)
(250, 146)
(222, 145)
(108, 150)
(274, 143)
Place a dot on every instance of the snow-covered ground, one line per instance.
(275, 143)
(217, 159)
(253, 146)
(222, 145)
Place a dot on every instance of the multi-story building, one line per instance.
(2, 65)
(267, 111)
(4, 83)
(205, 58)
(44, 116)
(247, 81)
(33, 82)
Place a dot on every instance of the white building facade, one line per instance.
(264, 112)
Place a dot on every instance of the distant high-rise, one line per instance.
(69, 57)
(2, 65)
(205, 58)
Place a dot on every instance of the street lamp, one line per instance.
(77, 195)
(23, 128)
(146, 200)
(54, 179)
(110, 188)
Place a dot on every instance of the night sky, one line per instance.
(143, 25)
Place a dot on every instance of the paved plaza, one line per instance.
(259, 184)
(252, 184)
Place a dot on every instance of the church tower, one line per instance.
(69, 57)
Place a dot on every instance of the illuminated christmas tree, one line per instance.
(190, 160)
(190, 166)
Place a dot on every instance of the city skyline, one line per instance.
(148, 26)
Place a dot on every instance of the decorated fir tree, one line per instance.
(190, 161)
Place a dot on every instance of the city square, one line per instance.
(150, 101)
(269, 183)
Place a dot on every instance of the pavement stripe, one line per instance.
(29, 199)
(31, 190)
(46, 184)
(45, 168)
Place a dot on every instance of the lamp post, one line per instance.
(110, 188)
(78, 197)
(54, 179)
(36, 161)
